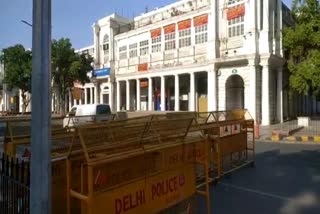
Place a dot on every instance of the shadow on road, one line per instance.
(286, 180)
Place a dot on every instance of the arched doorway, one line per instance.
(234, 92)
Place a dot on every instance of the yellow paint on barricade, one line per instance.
(304, 138)
(316, 138)
(231, 132)
(126, 165)
(149, 195)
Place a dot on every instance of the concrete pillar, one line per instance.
(101, 98)
(212, 90)
(91, 95)
(70, 100)
(176, 93)
(280, 96)
(264, 34)
(163, 94)
(52, 103)
(192, 93)
(74, 102)
(265, 95)
(138, 95)
(150, 106)
(266, 17)
(111, 94)
(253, 90)
(96, 94)
(85, 96)
(96, 35)
(118, 95)
(128, 95)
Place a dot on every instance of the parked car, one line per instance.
(82, 114)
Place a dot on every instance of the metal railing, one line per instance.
(14, 186)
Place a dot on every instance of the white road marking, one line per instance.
(256, 191)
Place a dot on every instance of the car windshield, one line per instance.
(103, 109)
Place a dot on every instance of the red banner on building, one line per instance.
(170, 28)
(143, 67)
(200, 20)
(236, 12)
(185, 24)
(155, 32)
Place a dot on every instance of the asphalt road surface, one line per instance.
(285, 180)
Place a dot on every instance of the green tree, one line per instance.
(18, 68)
(68, 67)
(302, 47)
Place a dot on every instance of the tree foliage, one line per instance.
(18, 69)
(302, 46)
(68, 67)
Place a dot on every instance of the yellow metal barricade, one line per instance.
(232, 138)
(142, 167)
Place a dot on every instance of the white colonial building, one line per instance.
(195, 55)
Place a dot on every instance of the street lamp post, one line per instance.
(27, 23)
(40, 186)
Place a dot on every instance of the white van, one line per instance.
(82, 114)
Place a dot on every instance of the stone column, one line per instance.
(138, 94)
(176, 93)
(212, 90)
(192, 93)
(111, 89)
(70, 100)
(128, 95)
(163, 94)
(264, 34)
(265, 95)
(91, 95)
(253, 90)
(150, 106)
(280, 96)
(96, 92)
(118, 95)
(85, 96)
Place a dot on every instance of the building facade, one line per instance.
(197, 55)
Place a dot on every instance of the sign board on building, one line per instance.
(155, 32)
(170, 28)
(236, 12)
(143, 67)
(200, 20)
(185, 24)
(101, 72)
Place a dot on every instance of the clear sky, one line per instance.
(70, 18)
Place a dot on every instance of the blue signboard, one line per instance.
(101, 72)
